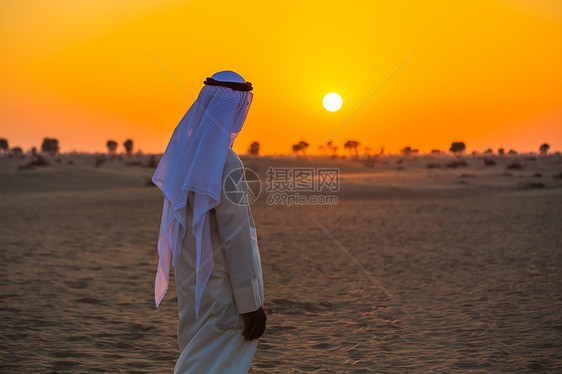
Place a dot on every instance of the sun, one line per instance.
(332, 102)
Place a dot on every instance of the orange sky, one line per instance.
(484, 72)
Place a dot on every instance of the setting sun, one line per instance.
(332, 102)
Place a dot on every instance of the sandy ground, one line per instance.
(414, 270)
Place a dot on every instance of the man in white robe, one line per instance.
(212, 239)
(233, 298)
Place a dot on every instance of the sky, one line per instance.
(411, 73)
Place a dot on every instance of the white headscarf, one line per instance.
(194, 161)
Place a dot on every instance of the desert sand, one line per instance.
(415, 270)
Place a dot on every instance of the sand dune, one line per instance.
(416, 269)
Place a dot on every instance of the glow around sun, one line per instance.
(332, 102)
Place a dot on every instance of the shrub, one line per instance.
(514, 166)
(456, 164)
(489, 162)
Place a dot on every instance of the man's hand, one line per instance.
(254, 324)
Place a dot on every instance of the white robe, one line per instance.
(214, 343)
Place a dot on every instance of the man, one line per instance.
(210, 236)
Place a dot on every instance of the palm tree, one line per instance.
(544, 149)
(128, 144)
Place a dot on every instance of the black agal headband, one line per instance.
(234, 85)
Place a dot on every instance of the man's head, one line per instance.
(228, 76)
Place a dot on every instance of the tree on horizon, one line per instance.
(406, 151)
(111, 146)
(352, 147)
(501, 151)
(457, 148)
(543, 149)
(4, 145)
(254, 149)
(489, 151)
(50, 145)
(303, 145)
(128, 144)
(332, 148)
(300, 147)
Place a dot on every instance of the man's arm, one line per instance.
(236, 230)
